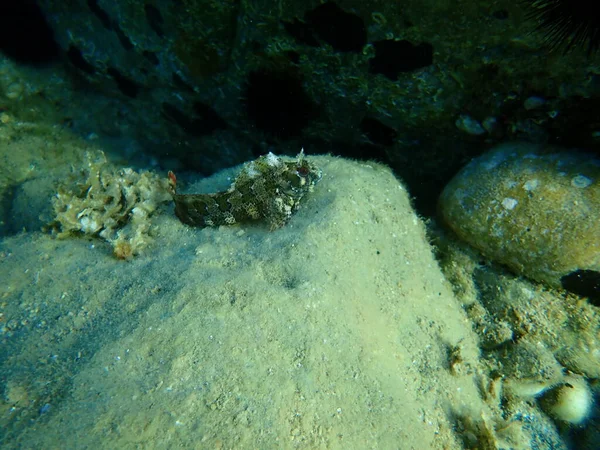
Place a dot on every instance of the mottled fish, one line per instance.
(269, 188)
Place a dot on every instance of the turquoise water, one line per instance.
(359, 321)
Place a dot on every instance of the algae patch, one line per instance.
(113, 204)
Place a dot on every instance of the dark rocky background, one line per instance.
(200, 85)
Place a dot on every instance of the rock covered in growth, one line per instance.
(534, 209)
(113, 204)
(269, 188)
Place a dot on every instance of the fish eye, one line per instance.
(302, 171)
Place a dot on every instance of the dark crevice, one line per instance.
(344, 31)
(151, 57)
(377, 132)
(301, 32)
(155, 19)
(100, 14)
(277, 103)
(76, 58)
(394, 57)
(202, 122)
(127, 86)
(25, 36)
(585, 283)
(212, 121)
(500, 14)
(125, 41)
(293, 56)
(108, 23)
(180, 83)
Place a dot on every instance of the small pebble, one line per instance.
(469, 125)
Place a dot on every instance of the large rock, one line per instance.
(536, 210)
(337, 330)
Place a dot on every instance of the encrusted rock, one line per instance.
(534, 209)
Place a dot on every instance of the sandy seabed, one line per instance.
(338, 330)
